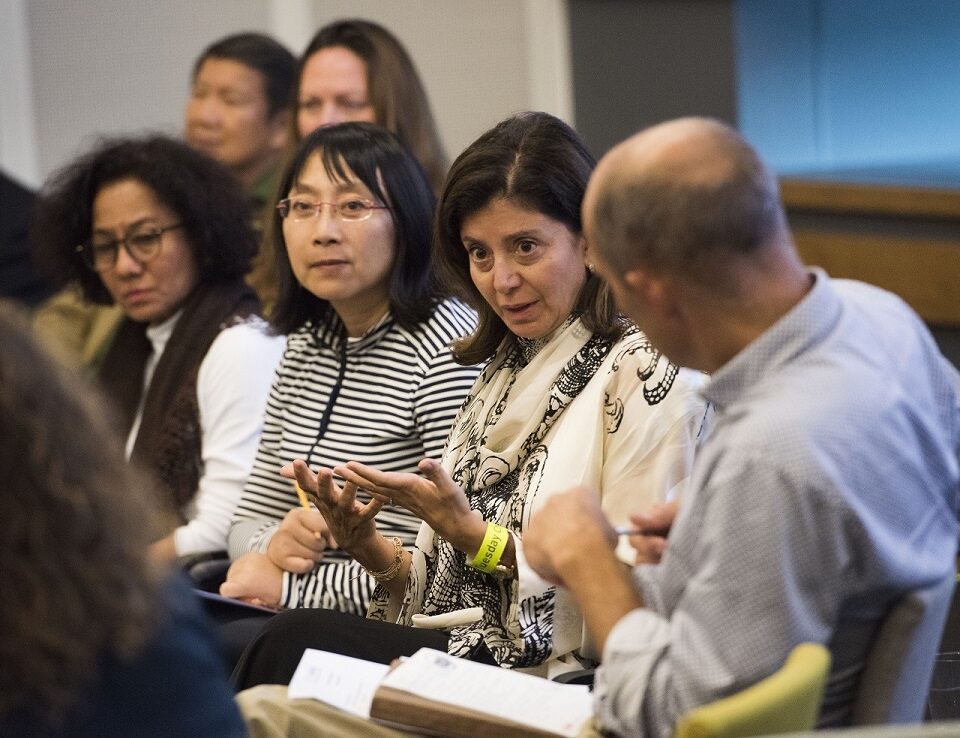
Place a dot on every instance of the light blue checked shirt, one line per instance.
(828, 487)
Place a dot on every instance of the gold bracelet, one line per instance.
(391, 571)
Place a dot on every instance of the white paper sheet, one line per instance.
(341, 681)
(522, 698)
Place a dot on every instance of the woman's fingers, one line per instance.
(350, 507)
(299, 565)
(327, 495)
(308, 539)
(657, 519)
(365, 480)
(370, 510)
(348, 496)
(325, 492)
(384, 482)
(438, 475)
(300, 472)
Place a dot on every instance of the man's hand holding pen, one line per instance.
(648, 531)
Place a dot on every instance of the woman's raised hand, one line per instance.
(434, 498)
(350, 522)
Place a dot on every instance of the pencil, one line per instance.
(304, 502)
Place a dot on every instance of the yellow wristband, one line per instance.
(494, 544)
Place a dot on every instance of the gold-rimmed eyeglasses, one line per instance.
(298, 208)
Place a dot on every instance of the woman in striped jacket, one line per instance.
(367, 373)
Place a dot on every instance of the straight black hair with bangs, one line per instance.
(396, 179)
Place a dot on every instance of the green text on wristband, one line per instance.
(494, 544)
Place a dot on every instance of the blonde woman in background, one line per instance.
(356, 70)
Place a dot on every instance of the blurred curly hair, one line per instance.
(78, 585)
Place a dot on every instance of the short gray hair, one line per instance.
(663, 220)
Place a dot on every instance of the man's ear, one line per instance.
(640, 285)
(655, 292)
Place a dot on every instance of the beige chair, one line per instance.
(787, 700)
(896, 676)
(895, 679)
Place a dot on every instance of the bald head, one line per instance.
(689, 196)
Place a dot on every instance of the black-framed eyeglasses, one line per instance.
(299, 208)
(142, 243)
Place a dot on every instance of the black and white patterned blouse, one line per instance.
(574, 410)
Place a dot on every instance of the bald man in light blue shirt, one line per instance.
(829, 485)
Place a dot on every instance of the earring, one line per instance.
(590, 267)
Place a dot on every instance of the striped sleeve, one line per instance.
(395, 395)
(439, 395)
(332, 585)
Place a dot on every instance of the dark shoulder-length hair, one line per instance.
(397, 95)
(205, 197)
(535, 161)
(395, 178)
(77, 522)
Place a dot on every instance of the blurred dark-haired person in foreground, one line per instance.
(828, 487)
(95, 639)
(163, 231)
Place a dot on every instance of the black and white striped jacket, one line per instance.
(387, 399)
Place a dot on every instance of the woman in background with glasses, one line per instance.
(367, 373)
(163, 231)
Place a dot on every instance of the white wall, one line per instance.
(83, 69)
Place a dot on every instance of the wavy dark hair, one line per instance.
(537, 162)
(399, 100)
(206, 197)
(77, 520)
(395, 178)
(259, 52)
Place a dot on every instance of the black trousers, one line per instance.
(273, 654)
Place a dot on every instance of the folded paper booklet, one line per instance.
(437, 693)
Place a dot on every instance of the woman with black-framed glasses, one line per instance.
(163, 232)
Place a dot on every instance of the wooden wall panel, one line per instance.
(924, 272)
